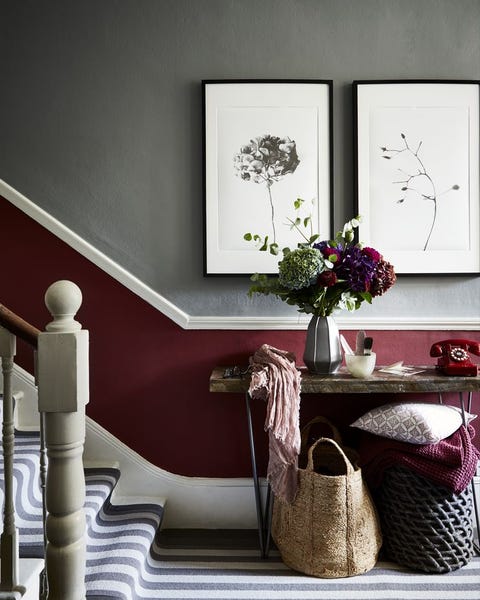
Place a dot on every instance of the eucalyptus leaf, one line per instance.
(367, 296)
(264, 247)
(298, 203)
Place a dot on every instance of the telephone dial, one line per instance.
(454, 357)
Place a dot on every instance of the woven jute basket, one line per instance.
(332, 528)
(425, 527)
(307, 439)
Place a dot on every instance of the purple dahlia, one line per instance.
(357, 268)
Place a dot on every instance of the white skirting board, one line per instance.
(190, 502)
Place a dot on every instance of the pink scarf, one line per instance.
(276, 379)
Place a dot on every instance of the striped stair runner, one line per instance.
(128, 558)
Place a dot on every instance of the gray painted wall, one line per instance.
(100, 117)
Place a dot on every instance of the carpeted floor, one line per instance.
(130, 558)
(206, 565)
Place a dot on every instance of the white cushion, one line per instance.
(413, 422)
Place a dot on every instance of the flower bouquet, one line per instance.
(320, 277)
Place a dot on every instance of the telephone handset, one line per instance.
(454, 358)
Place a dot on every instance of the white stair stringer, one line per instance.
(29, 578)
(190, 502)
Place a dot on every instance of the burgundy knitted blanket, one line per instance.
(276, 379)
(450, 463)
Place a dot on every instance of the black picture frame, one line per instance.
(239, 115)
(417, 172)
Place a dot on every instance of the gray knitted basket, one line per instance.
(425, 527)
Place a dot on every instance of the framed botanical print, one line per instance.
(417, 173)
(266, 143)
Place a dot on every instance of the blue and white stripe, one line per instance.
(128, 558)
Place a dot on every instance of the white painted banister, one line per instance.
(9, 580)
(62, 376)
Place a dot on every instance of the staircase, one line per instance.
(127, 555)
(120, 539)
(54, 509)
(128, 558)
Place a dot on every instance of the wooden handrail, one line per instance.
(16, 325)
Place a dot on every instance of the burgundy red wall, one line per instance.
(149, 377)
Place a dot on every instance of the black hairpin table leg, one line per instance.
(256, 482)
(268, 518)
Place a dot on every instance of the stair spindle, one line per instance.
(9, 578)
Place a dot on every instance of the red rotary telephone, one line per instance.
(454, 358)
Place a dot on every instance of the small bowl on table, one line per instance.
(360, 365)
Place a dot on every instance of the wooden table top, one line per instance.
(429, 380)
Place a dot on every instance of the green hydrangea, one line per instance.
(300, 268)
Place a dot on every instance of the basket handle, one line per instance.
(324, 440)
(306, 430)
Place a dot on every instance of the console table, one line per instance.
(429, 380)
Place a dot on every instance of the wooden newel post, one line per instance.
(62, 396)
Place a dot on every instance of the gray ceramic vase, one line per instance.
(322, 347)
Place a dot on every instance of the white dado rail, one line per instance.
(62, 378)
(392, 322)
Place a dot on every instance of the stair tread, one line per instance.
(119, 536)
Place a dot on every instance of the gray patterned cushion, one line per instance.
(413, 422)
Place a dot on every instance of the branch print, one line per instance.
(417, 179)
